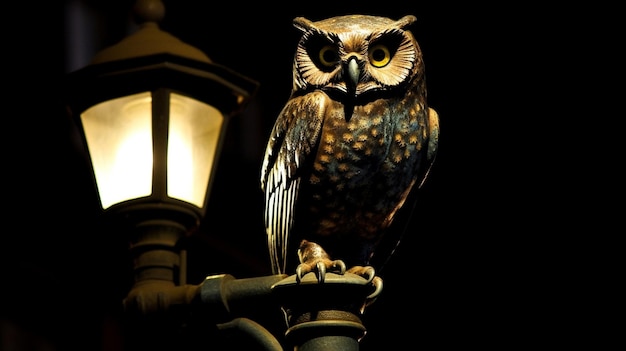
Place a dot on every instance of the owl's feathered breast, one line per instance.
(363, 167)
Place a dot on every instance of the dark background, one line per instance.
(487, 251)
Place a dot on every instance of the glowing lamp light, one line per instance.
(118, 135)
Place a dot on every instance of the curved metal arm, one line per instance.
(222, 295)
(158, 296)
(226, 296)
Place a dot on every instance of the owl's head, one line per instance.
(356, 55)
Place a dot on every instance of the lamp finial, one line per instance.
(148, 11)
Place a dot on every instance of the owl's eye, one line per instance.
(328, 56)
(379, 55)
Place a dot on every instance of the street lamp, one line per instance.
(152, 112)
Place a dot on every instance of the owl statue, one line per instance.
(355, 139)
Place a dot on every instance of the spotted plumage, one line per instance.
(355, 138)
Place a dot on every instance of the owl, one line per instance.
(354, 141)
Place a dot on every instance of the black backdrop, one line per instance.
(474, 272)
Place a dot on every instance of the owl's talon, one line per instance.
(377, 282)
(320, 268)
(341, 265)
(321, 271)
(304, 269)
(299, 273)
(367, 272)
(313, 258)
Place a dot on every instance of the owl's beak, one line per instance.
(354, 73)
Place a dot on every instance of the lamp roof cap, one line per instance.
(149, 39)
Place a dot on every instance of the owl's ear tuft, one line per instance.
(302, 24)
(406, 21)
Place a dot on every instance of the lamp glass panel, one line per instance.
(194, 132)
(119, 138)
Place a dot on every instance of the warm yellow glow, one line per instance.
(194, 131)
(119, 138)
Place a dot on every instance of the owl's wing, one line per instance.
(390, 242)
(433, 141)
(294, 136)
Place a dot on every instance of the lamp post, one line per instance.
(152, 112)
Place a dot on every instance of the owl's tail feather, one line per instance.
(279, 222)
